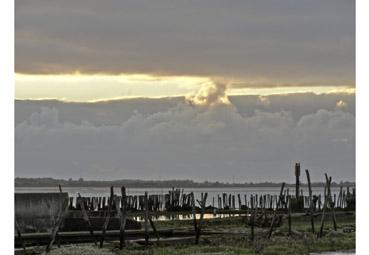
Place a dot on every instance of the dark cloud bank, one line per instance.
(266, 42)
(254, 138)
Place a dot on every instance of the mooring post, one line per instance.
(59, 221)
(146, 204)
(154, 228)
(107, 218)
(86, 217)
(331, 204)
(289, 216)
(252, 219)
(194, 212)
(57, 235)
(297, 175)
(202, 204)
(275, 211)
(311, 209)
(19, 234)
(320, 234)
(123, 215)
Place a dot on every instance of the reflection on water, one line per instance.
(189, 216)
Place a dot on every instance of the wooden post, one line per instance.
(194, 212)
(146, 204)
(86, 217)
(103, 202)
(320, 234)
(59, 221)
(340, 198)
(289, 215)
(154, 228)
(311, 209)
(252, 219)
(107, 218)
(203, 206)
(331, 204)
(57, 236)
(20, 235)
(297, 174)
(256, 201)
(123, 215)
(275, 211)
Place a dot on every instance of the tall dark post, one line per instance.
(123, 215)
(297, 174)
(146, 204)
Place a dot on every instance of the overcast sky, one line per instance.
(254, 138)
(186, 60)
(253, 43)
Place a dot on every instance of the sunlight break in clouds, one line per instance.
(93, 87)
(209, 94)
(79, 87)
(342, 105)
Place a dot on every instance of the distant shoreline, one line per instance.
(51, 182)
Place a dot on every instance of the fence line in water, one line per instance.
(178, 200)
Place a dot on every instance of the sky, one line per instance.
(184, 89)
(169, 47)
(248, 138)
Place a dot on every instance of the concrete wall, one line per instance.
(37, 212)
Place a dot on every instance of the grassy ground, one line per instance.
(302, 241)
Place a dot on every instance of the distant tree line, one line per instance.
(50, 182)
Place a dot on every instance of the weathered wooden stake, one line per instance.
(57, 236)
(20, 235)
(146, 220)
(107, 218)
(123, 215)
(331, 204)
(194, 212)
(311, 209)
(297, 174)
(154, 228)
(320, 234)
(275, 211)
(289, 216)
(252, 219)
(86, 217)
(60, 219)
(202, 204)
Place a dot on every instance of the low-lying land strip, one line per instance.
(232, 237)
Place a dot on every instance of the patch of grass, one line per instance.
(81, 250)
(302, 241)
(191, 250)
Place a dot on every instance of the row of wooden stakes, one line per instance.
(177, 200)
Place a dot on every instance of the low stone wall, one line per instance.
(37, 212)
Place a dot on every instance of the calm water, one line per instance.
(212, 192)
